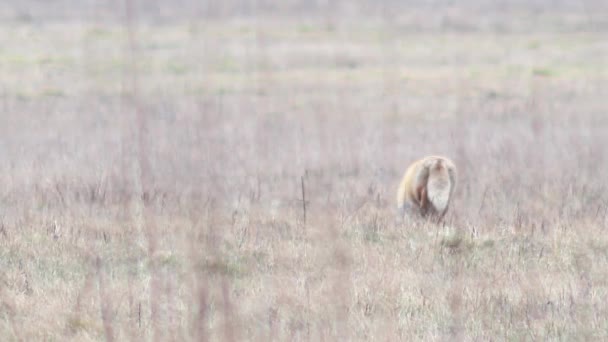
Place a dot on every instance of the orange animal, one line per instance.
(426, 188)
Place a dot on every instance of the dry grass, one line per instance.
(186, 222)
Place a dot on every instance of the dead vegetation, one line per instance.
(234, 179)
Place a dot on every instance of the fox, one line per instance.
(426, 188)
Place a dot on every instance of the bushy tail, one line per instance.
(438, 190)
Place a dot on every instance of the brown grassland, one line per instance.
(229, 172)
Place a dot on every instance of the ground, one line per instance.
(232, 176)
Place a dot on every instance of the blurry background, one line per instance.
(153, 155)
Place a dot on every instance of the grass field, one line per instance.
(234, 177)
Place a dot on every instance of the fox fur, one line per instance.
(426, 188)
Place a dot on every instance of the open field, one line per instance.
(152, 174)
